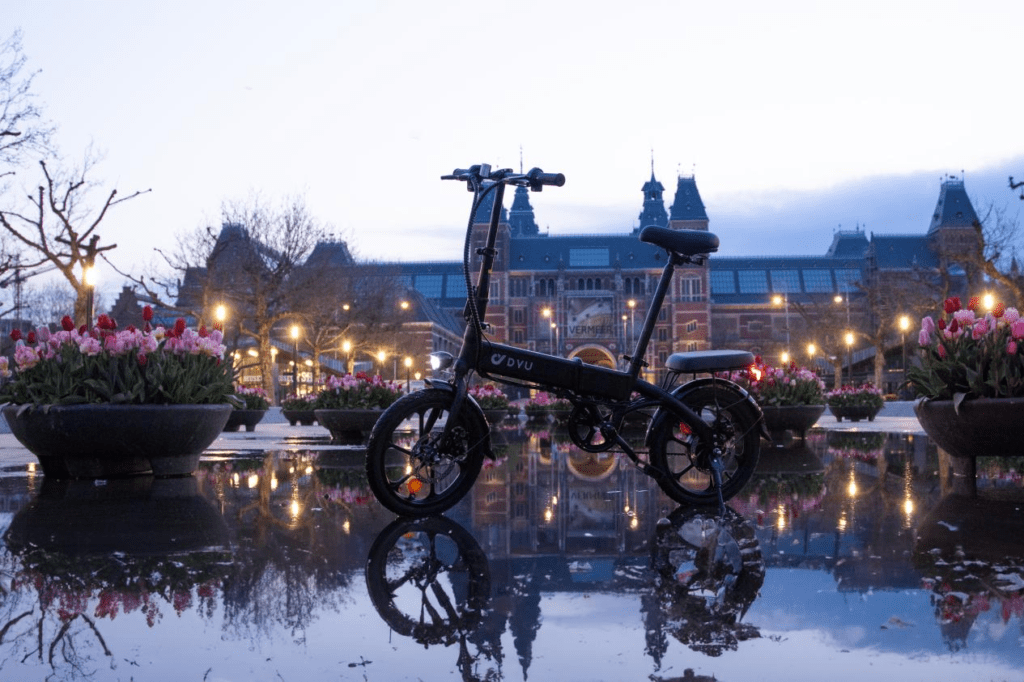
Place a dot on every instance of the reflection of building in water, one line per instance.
(554, 498)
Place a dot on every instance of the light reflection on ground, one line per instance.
(842, 560)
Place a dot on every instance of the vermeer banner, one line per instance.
(590, 318)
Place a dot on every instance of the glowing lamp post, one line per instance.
(849, 354)
(408, 367)
(381, 357)
(346, 347)
(89, 278)
(295, 359)
(904, 326)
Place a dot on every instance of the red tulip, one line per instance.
(147, 313)
(15, 335)
(67, 324)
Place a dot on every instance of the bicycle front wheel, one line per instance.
(412, 467)
(678, 452)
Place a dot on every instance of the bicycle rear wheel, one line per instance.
(678, 452)
(412, 468)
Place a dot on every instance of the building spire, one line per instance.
(520, 159)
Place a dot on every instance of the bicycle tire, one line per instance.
(409, 471)
(440, 560)
(676, 451)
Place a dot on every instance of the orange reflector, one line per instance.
(415, 485)
(685, 429)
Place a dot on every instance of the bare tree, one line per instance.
(57, 227)
(23, 130)
(257, 256)
(347, 306)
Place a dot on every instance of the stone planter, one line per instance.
(495, 417)
(984, 427)
(348, 427)
(247, 418)
(138, 516)
(303, 417)
(854, 413)
(106, 441)
(795, 418)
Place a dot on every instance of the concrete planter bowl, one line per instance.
(795, 418)
(247, 418)
(348, 427)
(107, 441)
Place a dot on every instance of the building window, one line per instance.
(753, 282)
(691, 346)
(518, 286)
(662, 315)
(517, 336)
(817, 281)
(847, 278)
(588, 258)
(455, 287)
(429, 285)
(785, 281)
(662, 334)
(662, 357)
(634, 286)
(723, 282)
(518, 316)
(691, 326)
(690, 289)
(495, 291)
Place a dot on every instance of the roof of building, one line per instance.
(687, 204)
(902, 251)
(848, 244)
(520, 217)
(584, 252)
(752, 280)
(653, 212)
(954, 207)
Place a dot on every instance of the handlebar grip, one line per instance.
(457, 174)
(539, 178)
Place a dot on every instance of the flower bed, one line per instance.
(967, 355)
(855, 402)
(358, 391)
(253, 398)
(158, 366)
(543, 404)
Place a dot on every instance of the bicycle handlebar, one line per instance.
(535, 179)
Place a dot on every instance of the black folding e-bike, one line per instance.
(702, 442)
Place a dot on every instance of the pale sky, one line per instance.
(796, 117)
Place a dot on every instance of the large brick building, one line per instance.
(585, 295)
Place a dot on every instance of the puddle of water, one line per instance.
(842, 559)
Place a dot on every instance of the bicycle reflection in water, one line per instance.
(429, 580)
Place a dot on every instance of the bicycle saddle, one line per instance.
(685, 242)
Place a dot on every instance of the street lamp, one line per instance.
(295, 359)
(783, 300)
(381, 357)
(849, 354)
(408, 367)
(89, 278)
(546, 314)
(346, 347)
(904, 326)
(632, 327)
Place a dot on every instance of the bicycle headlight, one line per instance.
(441, 360)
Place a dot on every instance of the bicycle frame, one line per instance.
(511, 365)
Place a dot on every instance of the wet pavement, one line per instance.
(843, 559)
